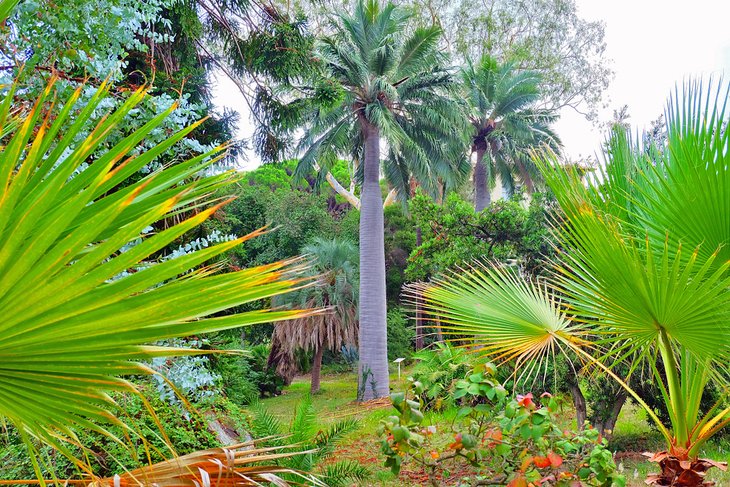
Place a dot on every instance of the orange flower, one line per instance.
(494, 437)
(434, 454)
(526, 400)
(541, 462)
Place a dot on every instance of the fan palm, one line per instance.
(644, 274)
(505, 124)
(82, 293)
(335, 262)
(393, 87)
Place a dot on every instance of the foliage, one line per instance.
(185, 433)
(454, 235)
(319, 443)
(334, 265)
(437, 369)
(644, 265)
(506, 122)
(507, 441)
(77, 326)
(400, 335)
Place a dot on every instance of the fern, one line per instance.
(327, 440)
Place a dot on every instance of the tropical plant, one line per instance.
(514, 442)
(334, 263)
(319, 443)
(644, 270)
(391, 85)
(506, 124)
(83, 291)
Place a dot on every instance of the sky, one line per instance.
(652, 44)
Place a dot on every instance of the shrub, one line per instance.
(513, 441)
(437, 369)
(400, 335)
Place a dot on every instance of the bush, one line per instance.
(437, 369)
(187, 431)
(512, 441)
(400, 335)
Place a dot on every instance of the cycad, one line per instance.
(501, 105)
(319, 443)
(392, 86)
(81, 304)
(644, 272)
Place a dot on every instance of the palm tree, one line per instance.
(505, 124)
(645, 268)
(394, 87)
(83, 295)
(335, 262)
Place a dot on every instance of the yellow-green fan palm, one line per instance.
(643, 269)
(79, 305)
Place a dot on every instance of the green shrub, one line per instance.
(400, 335)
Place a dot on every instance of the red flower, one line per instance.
(541, 462)
(526, 400)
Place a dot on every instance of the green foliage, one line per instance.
(454, 235)
(400, 240)
(187, 431)
(507, 440)
(306, 432)
(437, 369)
(400, 334)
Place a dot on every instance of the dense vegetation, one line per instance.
(411, 205)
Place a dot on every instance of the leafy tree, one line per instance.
(506, 125)
(645, 265)
(394, 86)
(335, 265)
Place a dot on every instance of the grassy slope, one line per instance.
(336, 400)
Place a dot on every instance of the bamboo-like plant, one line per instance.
(642, 275)
(82, 304)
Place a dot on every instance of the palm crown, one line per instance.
(501, 104)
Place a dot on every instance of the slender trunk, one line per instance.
(316, 369)
(439, 333)
(373, 380)
(481, 187)
(579, 402)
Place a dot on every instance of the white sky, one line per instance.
(654, 44)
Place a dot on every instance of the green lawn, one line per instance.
(336, 400)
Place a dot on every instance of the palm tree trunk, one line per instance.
(373, 368)
(316, 369)
(482, 198)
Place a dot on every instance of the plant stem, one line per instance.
(674, 387)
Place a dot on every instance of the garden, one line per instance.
(414, 284)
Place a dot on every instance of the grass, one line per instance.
(336, 400)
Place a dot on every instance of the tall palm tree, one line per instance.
(505, 124)
(394, 87)
(335, 263)
(645, 268)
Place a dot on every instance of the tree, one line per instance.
(547, 36)
(645, 266)
(391, 85)
(505, 124)
(334, 262)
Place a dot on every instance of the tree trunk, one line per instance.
(373, 380)
(606, 428)
(579, 402)
(482, 198)
(316, 369)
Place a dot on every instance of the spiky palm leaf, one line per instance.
(81, 305)
(643, 268)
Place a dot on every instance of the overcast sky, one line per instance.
(653, 44)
